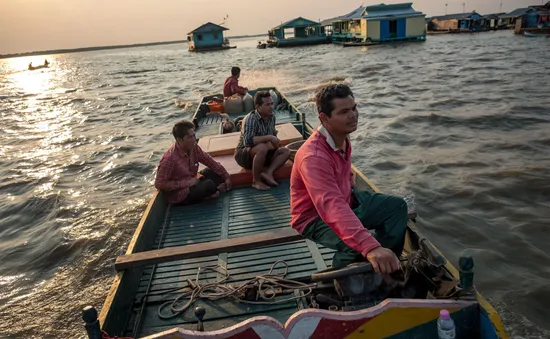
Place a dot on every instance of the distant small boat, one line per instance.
(535, 35)
(46, 64)
(356, 44)
(32, 68)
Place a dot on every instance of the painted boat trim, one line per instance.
(303, 323)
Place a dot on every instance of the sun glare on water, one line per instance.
(30, 81)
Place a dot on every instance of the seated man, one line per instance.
(323, 204)
(231, 85)
(259, 146)
(177, 171)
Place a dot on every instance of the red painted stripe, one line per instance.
(248, 334)
(330, 329)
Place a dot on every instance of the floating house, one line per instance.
(543, 15)
(511, 18)
(532, 18)
(461, 22)
(494, 21)
(345, 28)
(298, 32)
(379, 23)
(208, 37)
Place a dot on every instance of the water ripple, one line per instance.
(458, 125)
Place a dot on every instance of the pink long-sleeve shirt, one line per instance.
(176, 167)
(320, 186)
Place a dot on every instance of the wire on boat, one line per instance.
(266, 286)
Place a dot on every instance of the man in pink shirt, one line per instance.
(323, 203)
(178, 167)
(231, 85)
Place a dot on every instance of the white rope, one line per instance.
(266, 285)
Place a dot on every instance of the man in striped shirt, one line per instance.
(258, 147)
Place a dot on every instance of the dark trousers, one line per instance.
(386, 215)
(207, 185)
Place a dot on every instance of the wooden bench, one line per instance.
(225, 144)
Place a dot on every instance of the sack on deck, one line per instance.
(233, 104)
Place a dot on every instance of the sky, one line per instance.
(34, 25)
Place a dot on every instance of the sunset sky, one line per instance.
(31, 25)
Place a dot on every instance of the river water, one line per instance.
(458, 124)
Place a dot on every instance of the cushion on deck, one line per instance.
(225, 144)
(240, 176)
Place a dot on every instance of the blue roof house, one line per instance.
(379, 23)
(298, 32)
(208, 37)
(395, 22)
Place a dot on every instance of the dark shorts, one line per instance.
(207, 185)
(243, 157)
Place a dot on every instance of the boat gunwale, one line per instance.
(119, 277)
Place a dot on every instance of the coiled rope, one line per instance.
(266, 286)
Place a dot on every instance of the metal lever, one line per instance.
(199, 313)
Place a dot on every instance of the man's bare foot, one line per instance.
(213, 196)
(222, 188)
(260, 186)
(269, 179)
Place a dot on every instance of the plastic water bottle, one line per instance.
(445, 326)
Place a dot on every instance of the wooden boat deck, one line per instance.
(210, 124)
(242, 211)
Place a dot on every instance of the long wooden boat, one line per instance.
(540, 34)
(359, 44)
(32, 68)
(209, 249)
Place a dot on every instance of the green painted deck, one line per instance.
(242, 211)
(210, 125)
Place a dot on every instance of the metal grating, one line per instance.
(210, 120)
(210, 125)
(192, 224)
(242, 211)
(253, 211)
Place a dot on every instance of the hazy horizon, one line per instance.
(34, 25)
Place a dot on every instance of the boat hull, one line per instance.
(393, 318)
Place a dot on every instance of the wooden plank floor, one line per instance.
(242, 211)
(210, 124)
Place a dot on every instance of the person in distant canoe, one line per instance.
(231, 85)
(177, 170)
(324, 205)
(258, 147)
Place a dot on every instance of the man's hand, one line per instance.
(193, 181)
(275, 141)
(228, 184)
(383, 260)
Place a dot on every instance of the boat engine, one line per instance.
(357, 286)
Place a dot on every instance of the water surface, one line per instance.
(458, 124)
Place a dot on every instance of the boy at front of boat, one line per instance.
(324, 205)
(178, 168)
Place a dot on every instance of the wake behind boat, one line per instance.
(233, 268)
